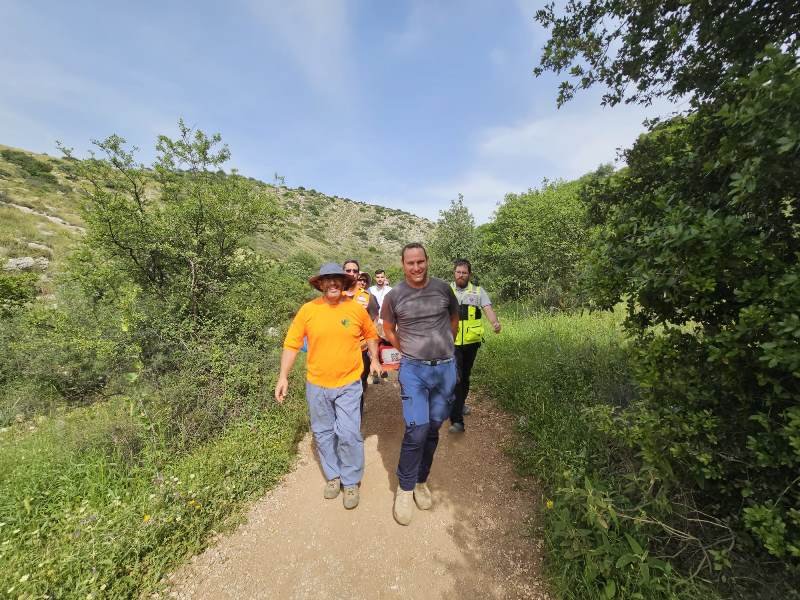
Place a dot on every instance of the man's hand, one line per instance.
(492, 316)
(280, 389)
(282, 386)
(375, 367)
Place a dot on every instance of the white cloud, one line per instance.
(571, 142)
(513, 158)
(317, 34)
(482, 192)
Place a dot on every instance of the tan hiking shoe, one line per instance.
(332, 488)
(403, 506)
(350, 496)
(422, 496)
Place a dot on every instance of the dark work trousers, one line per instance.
(427, 392)
(465, 358)
(364, 375)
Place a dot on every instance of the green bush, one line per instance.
(701, 236)
(92, 504)
(16, 290)
(560, 374)
(30, 164)
(66, 352)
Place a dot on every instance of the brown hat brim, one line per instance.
(349, 280)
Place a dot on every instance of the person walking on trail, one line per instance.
(334, 327)
(420, 317)
(381, 288)
(359, 293)
(473, 302)
(379, 291)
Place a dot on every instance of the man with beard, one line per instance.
(472, 302)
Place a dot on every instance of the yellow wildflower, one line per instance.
(549, 504)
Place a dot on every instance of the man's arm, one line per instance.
(287, 362)
(490, 314)
(454, 311)
(390, 332)
(454, 324)
(375, 361)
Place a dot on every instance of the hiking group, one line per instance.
(436, 327)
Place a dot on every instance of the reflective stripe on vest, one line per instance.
(470, 325)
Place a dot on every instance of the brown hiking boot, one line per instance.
(332, 488)
(403, 506)
(350, 496)
(422, 496)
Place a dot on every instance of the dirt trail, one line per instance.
(472, 544)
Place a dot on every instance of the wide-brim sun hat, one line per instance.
(331, 270)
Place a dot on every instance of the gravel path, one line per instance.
(472, 544)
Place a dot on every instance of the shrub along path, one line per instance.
(473, 543)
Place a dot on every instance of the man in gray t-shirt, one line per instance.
(420, 318)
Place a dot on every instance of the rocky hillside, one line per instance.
(40, 218)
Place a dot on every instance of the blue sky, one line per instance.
(404, 104)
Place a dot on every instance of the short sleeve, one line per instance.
(368, 330)
(453, 308)
(485, 301)
(297, 330)
(387, 309)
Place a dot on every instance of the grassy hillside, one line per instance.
(327, 227)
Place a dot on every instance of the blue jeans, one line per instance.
(427, 394)
(336, 424)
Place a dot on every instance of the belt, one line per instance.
(431, 363)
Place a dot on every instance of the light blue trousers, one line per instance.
(335, 415)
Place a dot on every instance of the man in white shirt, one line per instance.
(381, 288)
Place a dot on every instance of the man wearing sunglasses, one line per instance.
(365, 299)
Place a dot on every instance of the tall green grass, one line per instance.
(549, 368)
(86, 511)
(561, 374)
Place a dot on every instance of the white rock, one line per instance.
(42, 247)
(26, 263)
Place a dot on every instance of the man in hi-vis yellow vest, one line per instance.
(473, 303)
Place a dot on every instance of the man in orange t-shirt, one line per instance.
(334, 327)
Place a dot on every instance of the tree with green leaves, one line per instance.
(177, 230)
(644, 50)
(700, 236)
(533, 247)
(454, 237)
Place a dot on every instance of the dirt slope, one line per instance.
(472, 544)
